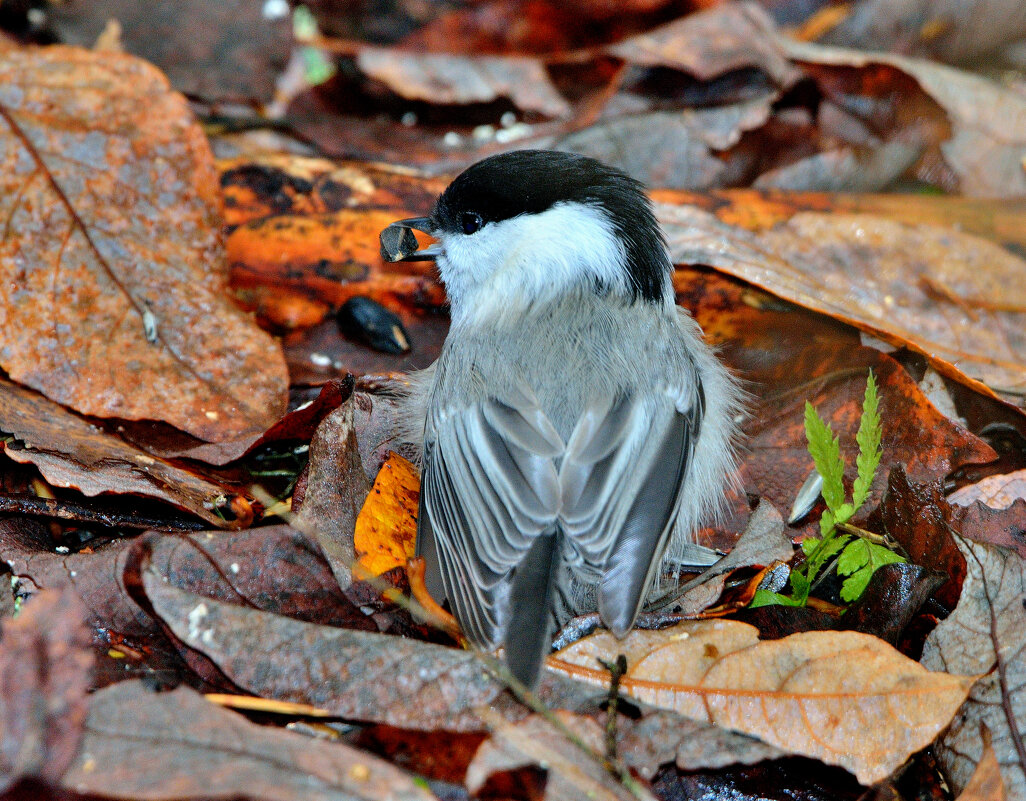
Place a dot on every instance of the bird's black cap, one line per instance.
(532, 181)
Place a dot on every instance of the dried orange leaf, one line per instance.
(386, 529)
(112, 263)
(843, 697)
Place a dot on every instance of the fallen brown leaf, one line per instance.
(988, 121)
(177, 745)
(45, 666)
(953, 297)
(710, 43)
(986, 634)
(71, 452)
(915, 516)
(799, 693)
(1004, 527)
(460, 80)
(673, 149)
(387, 526)
(328, 503)
(112, 258)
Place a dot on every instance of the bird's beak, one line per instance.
(399, 244)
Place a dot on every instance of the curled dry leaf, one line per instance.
(799, 693)
(71, 452)
(335, 488)
(386, 529)
(957, 299)
(115, 300)
(460, 80)
(986, 634)
(45, 665)
(176, 744)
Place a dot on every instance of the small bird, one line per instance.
(575, 429)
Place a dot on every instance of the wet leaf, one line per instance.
(460, 80)
(798, 693)
(915, 515)
(113, 252)
(226, 51)
(178, 745)
(953, 297)
(387, 526)
(71, 452)
(896, 592)
(45, 665)
(986, 634)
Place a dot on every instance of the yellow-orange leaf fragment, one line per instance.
(842, 697)
(386, 528)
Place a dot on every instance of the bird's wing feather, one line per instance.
(489, 489)
(622, 478)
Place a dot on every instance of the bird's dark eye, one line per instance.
(471, 222)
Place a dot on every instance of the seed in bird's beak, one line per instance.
(399, 244)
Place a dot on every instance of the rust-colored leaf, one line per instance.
(956, 298)
(799, 693)
(986, 634)
(111, 256)
(789, 355)
(386, 529)
(72, 452)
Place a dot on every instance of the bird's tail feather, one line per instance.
(529, 632)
